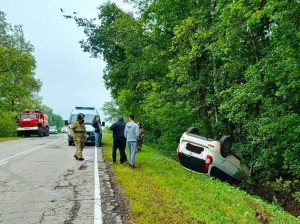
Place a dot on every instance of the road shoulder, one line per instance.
(114, 202)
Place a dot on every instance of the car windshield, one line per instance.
(88, 119)
(52, 127)
(24, 116)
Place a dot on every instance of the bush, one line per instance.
(7, 124)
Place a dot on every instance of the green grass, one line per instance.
(162, 191)
(3, 139)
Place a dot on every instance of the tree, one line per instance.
(229, 68)
(53, 119)
(18, 86)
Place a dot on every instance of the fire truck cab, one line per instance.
(32, 122)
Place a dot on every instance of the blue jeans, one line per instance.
(132, 150)
(98, 137)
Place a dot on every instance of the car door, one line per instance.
(231, 166)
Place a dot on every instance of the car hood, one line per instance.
(89, 128)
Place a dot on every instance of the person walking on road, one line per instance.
(98, 131)
(141, 138)
(78, 133)
(119, 140)
(131, 133)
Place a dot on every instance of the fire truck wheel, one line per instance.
(40, 132)
(46, 133)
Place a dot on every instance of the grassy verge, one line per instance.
(161, 191)
(9, 138)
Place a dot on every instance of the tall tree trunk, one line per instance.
(201, 98)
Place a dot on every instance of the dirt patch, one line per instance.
(261, 216)
(82, 167)
(275, 193)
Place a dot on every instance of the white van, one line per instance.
(89, 113)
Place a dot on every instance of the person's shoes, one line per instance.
(75, 157)
(81, 159)
(132, 166)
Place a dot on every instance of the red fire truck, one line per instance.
(32, 122)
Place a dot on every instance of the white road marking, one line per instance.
(2, 162)
(97, 206)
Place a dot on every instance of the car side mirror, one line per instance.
(103, 123)
(66, 122)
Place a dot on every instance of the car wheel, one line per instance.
(226, 145)
(193, 130)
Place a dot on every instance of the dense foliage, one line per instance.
(18, 86)
(227, 67)
(53, 119)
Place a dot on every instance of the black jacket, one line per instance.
(118, 130)
(96, 126)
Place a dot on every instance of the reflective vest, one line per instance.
(78, 130)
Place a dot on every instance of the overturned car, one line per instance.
(211, 157)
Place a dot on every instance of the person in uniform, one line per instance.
(141, 137)
(78, 133)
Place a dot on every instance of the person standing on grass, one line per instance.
(131, 133)
(119, 140)
(141, 137)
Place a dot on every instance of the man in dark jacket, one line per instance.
(98, 131)
(119, 140)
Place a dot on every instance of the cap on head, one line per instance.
(131, 116)
(120, 118)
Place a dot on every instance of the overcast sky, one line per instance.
(70, 77)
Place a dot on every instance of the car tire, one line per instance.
(193, 130)
(226, 145)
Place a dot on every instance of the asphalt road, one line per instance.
(41, 182)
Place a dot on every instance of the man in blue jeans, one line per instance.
(119, 140)
(132, 133)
